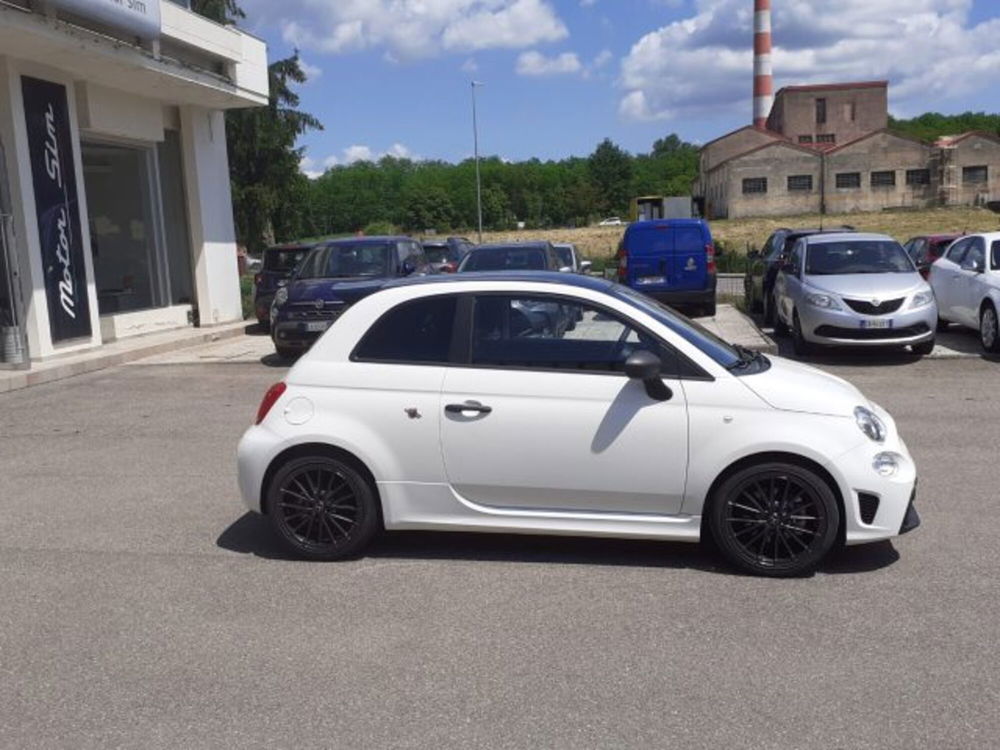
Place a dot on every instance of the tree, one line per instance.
(264, 162)
(611, 172)
(428, 208)
(222, 11)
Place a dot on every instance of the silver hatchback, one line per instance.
(854, 290)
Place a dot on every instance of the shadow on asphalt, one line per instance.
(251, 535)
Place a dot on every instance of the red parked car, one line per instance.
(927, 249)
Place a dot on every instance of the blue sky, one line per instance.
(392, 76)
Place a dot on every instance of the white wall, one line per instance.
(210, 211)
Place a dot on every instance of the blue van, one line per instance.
(670, 260)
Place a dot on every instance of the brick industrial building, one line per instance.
(828, 149)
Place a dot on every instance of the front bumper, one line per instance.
(296, 334)
(849, 328)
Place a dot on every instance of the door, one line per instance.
(689, 270)
(967, 288)
(945, 278)
(650, 251)
(544, 420)
(788, 284)
(13, 346)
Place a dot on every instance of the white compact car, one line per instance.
(966, 282)
(439, 404)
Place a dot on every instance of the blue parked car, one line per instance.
(278, 264)
(670, 260)
(333, 277)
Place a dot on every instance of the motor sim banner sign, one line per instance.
(57, 207)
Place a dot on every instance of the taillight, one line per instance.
(622, 257)
(710, 257)
(256, 279)
(449, 268)
(270, 398)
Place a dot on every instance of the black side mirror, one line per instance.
(645, 366)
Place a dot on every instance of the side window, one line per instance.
(976, 253)
(995, 253)
(795, 257)
(552, 333)
(957, 251)
(417, 332)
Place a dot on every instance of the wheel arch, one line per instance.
(318, 449)
(767, 457)
(989, 300)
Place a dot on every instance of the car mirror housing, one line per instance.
(586, 265)
(973, 265)
(645, 366)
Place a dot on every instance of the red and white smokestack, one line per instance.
(763, 80)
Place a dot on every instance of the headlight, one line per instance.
(922, 299)
(870, 424)
(886, 464)
(826, 301)
(281, 296)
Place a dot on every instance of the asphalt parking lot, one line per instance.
(142, 607)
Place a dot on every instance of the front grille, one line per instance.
(867, 308)
(869, 507)
(872, 334)
(309, 311)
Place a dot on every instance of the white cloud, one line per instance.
(354, 153)
(409, 29)
(470, 66)
(307, 166)
(587, 3)
(312, 72)
(534, 63)
(703, 63)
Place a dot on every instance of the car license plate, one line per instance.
(317, 325)
(652, 280)
(876, 324)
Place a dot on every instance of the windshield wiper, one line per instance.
(747, 357)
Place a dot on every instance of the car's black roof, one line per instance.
(529, 245)
(382, 238)
(547, 277)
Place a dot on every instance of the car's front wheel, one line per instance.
(322, 508)
(774, 519)
(799, 343)
(989, 329)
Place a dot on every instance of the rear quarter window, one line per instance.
(414, 332)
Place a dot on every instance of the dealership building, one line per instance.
(115, 206)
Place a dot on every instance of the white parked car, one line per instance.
(966, 282)
(611, 221)
(436, 404)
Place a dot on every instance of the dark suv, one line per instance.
(331, 278)
(763, 265)
(446, 254)
(278, 264)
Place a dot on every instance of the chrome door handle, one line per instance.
(468, 406)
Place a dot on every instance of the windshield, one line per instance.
(284, 260)
(565, 255)
(718, 349)
(438, 253)
(505, 259)
(348, 260)
(857, 256)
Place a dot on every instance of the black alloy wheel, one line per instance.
(775, 520)
(322, 508)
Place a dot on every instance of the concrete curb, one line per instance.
(114, 354)
(770, 346)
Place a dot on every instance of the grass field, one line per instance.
(738, 234)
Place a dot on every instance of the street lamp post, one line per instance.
(475, 140)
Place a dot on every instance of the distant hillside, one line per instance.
(931, 126)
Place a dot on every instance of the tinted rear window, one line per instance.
(439, 253)
(505, 259)
(418, 331)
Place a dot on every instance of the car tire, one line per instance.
(942, 324)
(286, 352)
(322, 508)
(989, 329)
(709, 309)
(774, 519)
(924, 349)
(800, 345)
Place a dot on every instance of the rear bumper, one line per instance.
(685, 297)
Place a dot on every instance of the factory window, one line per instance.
(974, 175)
(754, 185)
(820, 111)
(918, 177)
(849, 180)
(883, 179)
(805, 139)
(826, 138)
(800, 183)
(851, 111)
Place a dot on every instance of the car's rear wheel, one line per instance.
(799, 344)
(923, 349)
(768, 305)
(287, 352)
(989, 329)
(708, 309)
(322, 508)
(774, 519)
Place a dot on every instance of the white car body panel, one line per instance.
(568, 453)
(961, 292)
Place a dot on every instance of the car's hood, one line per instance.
(333, 290)
(881, 286)
(793, 386)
